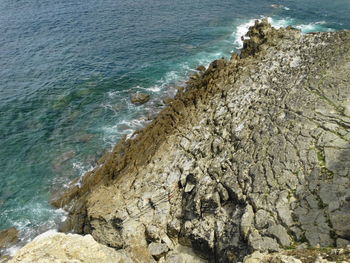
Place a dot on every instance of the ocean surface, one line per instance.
(67, 69)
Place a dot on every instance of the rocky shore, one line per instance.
(250, 159)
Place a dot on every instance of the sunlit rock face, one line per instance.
(253, 155)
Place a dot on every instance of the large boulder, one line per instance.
(67, 248)
(140, 98)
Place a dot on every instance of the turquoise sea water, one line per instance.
(67, 69)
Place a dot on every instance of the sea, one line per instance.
(69, 67)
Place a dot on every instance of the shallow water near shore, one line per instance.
(67, 70)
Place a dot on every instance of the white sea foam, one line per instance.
(240, 33)
(155, 88)
(82, 168)
(11, 251)
(312, 27)
(243, 29)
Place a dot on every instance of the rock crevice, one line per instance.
(253, 156)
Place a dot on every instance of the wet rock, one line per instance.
(8, 237)
(139, 98)
(167, 101)
(201, 68)
(217, 65)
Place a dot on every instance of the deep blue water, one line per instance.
(67, 69)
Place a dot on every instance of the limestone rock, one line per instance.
(262, 243)
(247, 221)
(158, 250)
(281, 234)
(253, 154)
(258, 257)
(67, 248)
(340, 221)
(182, 254)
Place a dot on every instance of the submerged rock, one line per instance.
(139, 98)
(62, 159)
(84, 138)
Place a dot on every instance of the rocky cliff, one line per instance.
(253, 155)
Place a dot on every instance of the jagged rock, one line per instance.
(258, 257)
(201, 68)
(8, 237)
(139, 98)
(252, 155)
(247, 221)
(158, 250)
(217, 65)
(62, 248)
(183, 254)
(340, 221)
(260, 243)
(342, 242)
(281, 234)
(167, 101)
(301, 255)
(262, 219)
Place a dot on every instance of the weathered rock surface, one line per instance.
(139, 98)
(325, 255)
(63, 248)
(253, 156)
